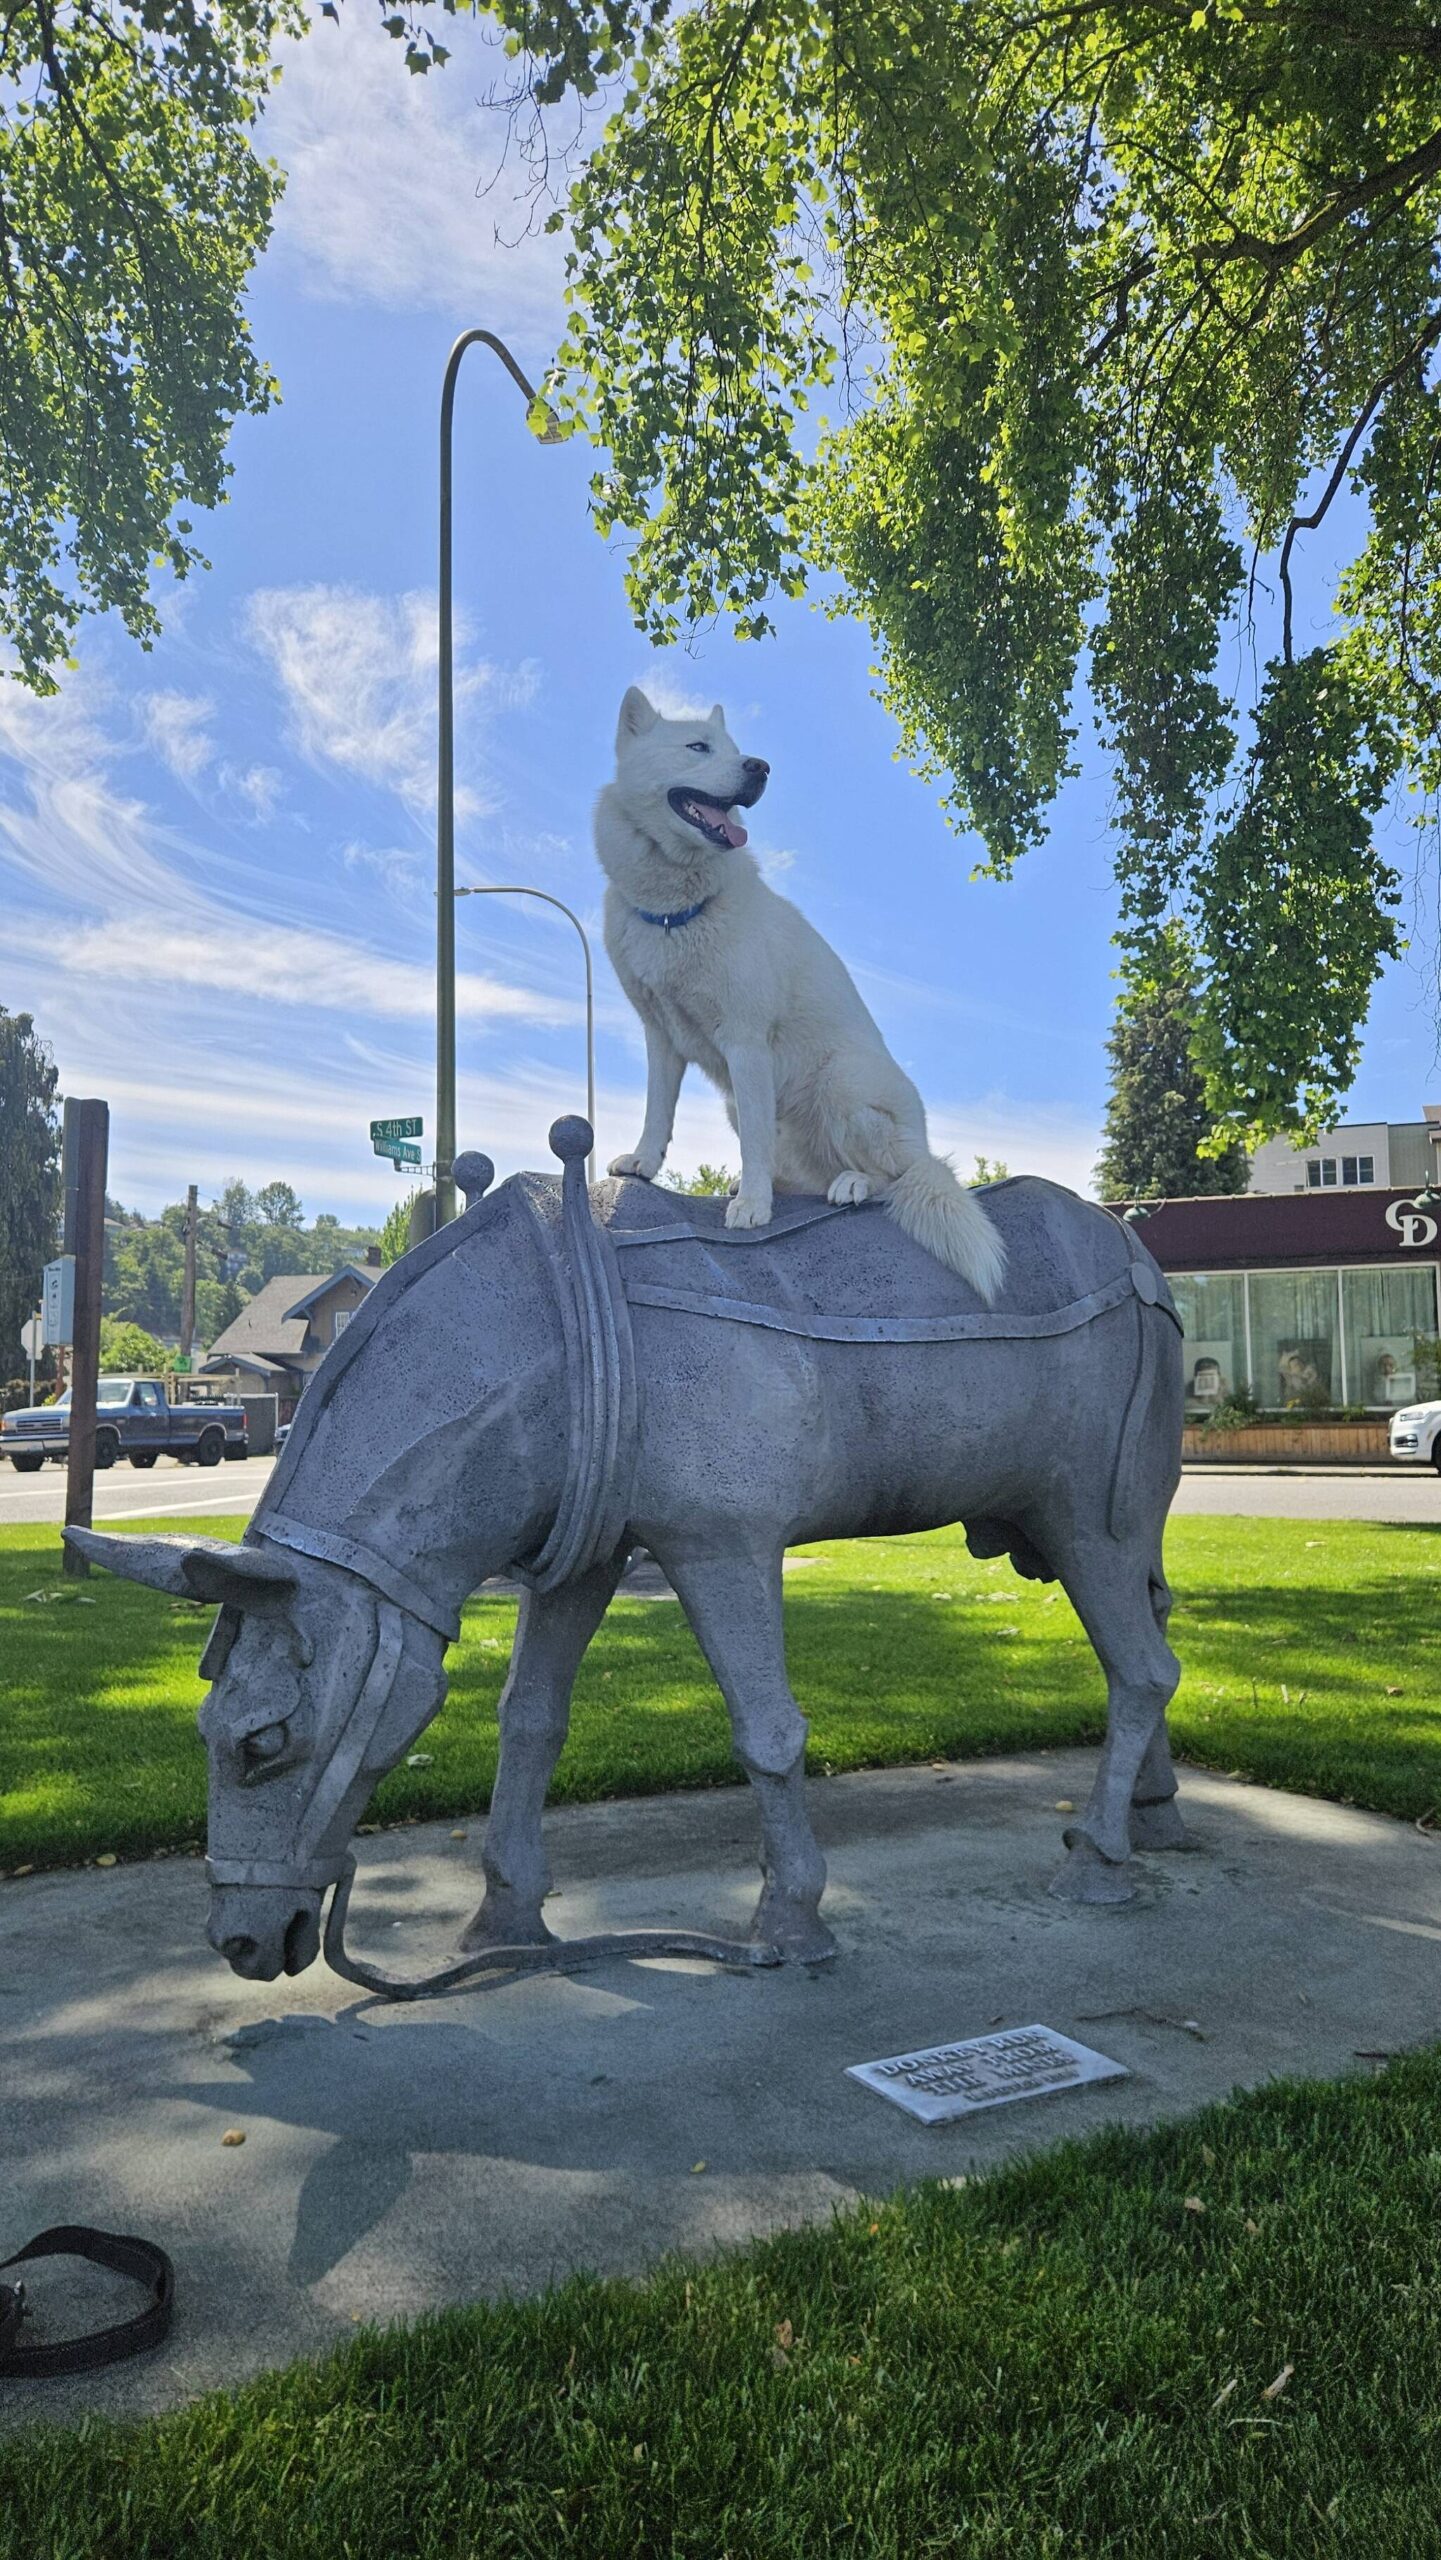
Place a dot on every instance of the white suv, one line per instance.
(1416, 1433)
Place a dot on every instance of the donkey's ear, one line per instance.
(637, 714)
(193, 1568)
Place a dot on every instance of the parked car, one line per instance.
(133, 1419)
(1416, 1434)
(282, 1434)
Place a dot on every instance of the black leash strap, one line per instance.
(141, 2259)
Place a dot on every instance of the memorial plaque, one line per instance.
(947, 2080)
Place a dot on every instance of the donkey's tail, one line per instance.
(935, 1210)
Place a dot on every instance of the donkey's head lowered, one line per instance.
(319, 1683)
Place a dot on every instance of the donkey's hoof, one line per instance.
(496, 1927)
(1159, 1826)
(798, 1936)
(1088, 1877)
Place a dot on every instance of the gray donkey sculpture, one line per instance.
(561, 1374)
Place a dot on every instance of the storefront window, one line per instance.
(1295, 1354)
(1384, 1312)
(1212, 1309)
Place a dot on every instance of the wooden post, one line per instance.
(87, 1145)
(187, 1294)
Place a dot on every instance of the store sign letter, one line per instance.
(1410, 1223)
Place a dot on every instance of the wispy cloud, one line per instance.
(664, 683)
(1026, 1137)
(357, 674)
(176, 725)
(393, 195)
(258, 787)
(299, 968)
(399, 871)
(141, 898)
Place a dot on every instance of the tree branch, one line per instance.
(1308, 524)
(1398, 177)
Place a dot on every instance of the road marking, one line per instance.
(174, 1510)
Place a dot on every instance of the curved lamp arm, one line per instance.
(518, 890)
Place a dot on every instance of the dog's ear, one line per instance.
(637, 714)
(717, 715)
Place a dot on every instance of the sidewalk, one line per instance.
(399, 2158)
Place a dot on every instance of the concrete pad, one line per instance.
(400, 2158)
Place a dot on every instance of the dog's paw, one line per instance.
(643, 1168)
(850, 1188)
(750, 1208)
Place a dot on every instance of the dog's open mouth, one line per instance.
(710, 817)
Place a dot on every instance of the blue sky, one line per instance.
(217, 857)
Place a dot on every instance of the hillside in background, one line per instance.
(244, 1238)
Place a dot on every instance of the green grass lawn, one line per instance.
(1064, 2359)
(1312, 1656)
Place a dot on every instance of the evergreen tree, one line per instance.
(29, 1177)
(1158, 1113)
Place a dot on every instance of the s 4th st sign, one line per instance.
(393, 1138)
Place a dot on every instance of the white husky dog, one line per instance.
(730, 978)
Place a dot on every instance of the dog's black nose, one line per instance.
(757, 766)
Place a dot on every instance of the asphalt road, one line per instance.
(1399, 1493)
(168, 1491)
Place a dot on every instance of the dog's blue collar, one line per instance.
(681, 915)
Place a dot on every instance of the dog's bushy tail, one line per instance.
(935, 1210)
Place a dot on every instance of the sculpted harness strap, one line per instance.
(600, 1364)
(1140, 1280)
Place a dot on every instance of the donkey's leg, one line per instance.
(734, 1604)
(550, 1639)
(1155, 1819)
(1109, 1586)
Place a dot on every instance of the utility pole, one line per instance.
(187, 1294)
(86, 1148)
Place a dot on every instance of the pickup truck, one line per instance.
(132, 1420)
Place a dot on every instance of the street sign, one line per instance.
(58, 1300)
(32, 1337)
(181, 1364)
(398, 1151)
(384, 1129)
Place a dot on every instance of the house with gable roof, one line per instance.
(282, 1334)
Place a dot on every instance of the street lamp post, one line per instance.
(518, 891)
(445, 782)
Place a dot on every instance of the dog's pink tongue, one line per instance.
(735, 832)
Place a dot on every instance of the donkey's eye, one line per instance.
(698, 746)
(267, 1744)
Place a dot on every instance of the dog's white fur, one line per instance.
(750, 993)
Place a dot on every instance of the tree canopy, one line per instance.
(126, 1347)
(243, 1239)
(132, 207)
(1157, 1119)
(1109, 300)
